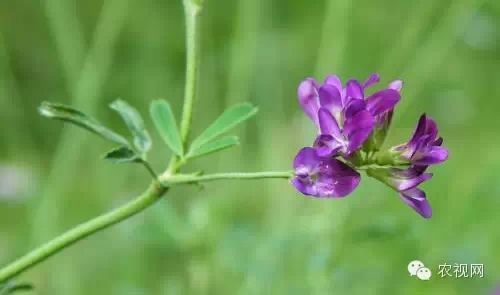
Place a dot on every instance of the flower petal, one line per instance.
(305, 186)
(382, 124)
(400, 179)
(426, 127)
(306, 161)
(339, 182)
(326, 145)
(347, 179)
(396, 85)
(438, 142)
(431, 129)
(415, 198)
(330, 98)
(354, 90)
(308, 98)
(433, 155)
(419, 168)
(334, 80)
(356, 116)
(424, 149)
(353, 107)
(373, 79)
(419, 130)
(328, 124)
(357, 128)
(328, 177)
(357, 139)
(382, 101)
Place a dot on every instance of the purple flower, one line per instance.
(323, 177)
(344, 117)
(405, 181)
(351, 130)
(424, 148)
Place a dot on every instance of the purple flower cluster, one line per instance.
(351, 130)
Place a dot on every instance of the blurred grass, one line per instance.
(247, 237)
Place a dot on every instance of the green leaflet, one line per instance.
(73, 116)
(122, 154)
(135, 123)
(229, 119)
(164, 121)
(214, 146)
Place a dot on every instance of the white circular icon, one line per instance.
(414, 266)
(424, 273)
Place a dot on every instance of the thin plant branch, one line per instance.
(190, 178)
(145, 200)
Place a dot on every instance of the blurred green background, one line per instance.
(247, 237)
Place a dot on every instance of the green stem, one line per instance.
(183, 178)
(146, 199)
(192, 12)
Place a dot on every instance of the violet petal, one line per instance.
(357, 129)
(304, 186)
(340, 182)
(405, 179)
(354, 90)
(328, 124)
(373, 79)
(308, 98)
(334, 80)
(323, 177)
(396, 85)
(415, 198)
(382, 101)
(419, 130)
(433, 155)
(330, 98)
(306, 160)
(326, 145)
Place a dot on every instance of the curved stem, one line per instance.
(190, 178)
(146, 199)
